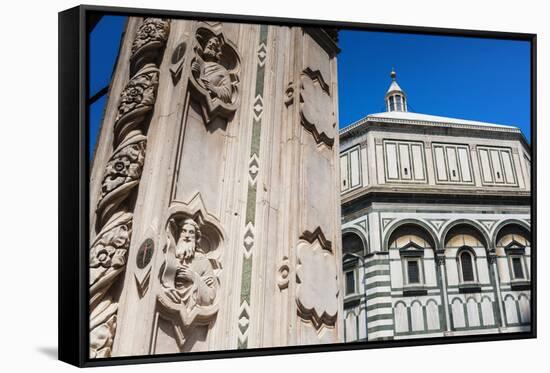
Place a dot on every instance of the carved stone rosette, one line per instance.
(121, 178)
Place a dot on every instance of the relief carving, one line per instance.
(150, 38)
(152, 33)
(317, 115)
(122, 174)
(316, 276)
(189, 275)
(108, 255)
(136, 101)
(107, 260)
(283, 274)
(214, 74)
(289, 94)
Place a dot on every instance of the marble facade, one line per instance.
(208, 230)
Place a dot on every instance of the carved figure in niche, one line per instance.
(190, 278)
(210, 73)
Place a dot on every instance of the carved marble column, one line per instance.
(492, 257)
(233, 235)
(440, 260)
(121, 177)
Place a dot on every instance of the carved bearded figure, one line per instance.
(209, 72)
(194, 282)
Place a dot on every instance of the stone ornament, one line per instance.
(108, 254)
(314, 101)
(289, 94)
(150, 38)
(189, 276)
(107, 260)
(103, 321)
(316, 276)
(136, 101)
(177, 60)
(283, 273)
(122, 175)
(214, 74)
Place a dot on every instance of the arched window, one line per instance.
(353, 249)
(513, 241)
(413, 244)
(468, 243)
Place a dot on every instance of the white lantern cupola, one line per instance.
(396, 100)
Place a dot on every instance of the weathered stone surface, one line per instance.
(232, 190)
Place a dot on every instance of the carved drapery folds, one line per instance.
(214, 74)
(189, 276)
(316, 276)
(121, 178)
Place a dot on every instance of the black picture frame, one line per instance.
(73, 180)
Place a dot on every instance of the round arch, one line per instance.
(509, 222)
(358, 233)
(467, 222)
(414, 222)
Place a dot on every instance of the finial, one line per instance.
(393, 74)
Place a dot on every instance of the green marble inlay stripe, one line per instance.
(380, 328)
(260, 81)
(242, 345)
(379, 306)
(377, 262)
(256, 131)
(263, 34)
(376, 284)
(246, 279)
(387, 316)
(251, 204)
(257, 107)
(377, 273)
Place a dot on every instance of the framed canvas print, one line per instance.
(234, 186)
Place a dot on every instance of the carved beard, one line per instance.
(210, 54)
(185, 249)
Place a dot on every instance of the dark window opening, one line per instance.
(350, 283)
(413, 272)
(517, 267)
(405, 170)
(467, 267)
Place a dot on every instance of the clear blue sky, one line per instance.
(104, 44)
(470, 78)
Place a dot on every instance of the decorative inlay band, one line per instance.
(253, 171)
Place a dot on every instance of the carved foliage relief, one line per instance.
(122, 173)
(153, 33)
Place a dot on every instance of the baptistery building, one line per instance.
(436, 228)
